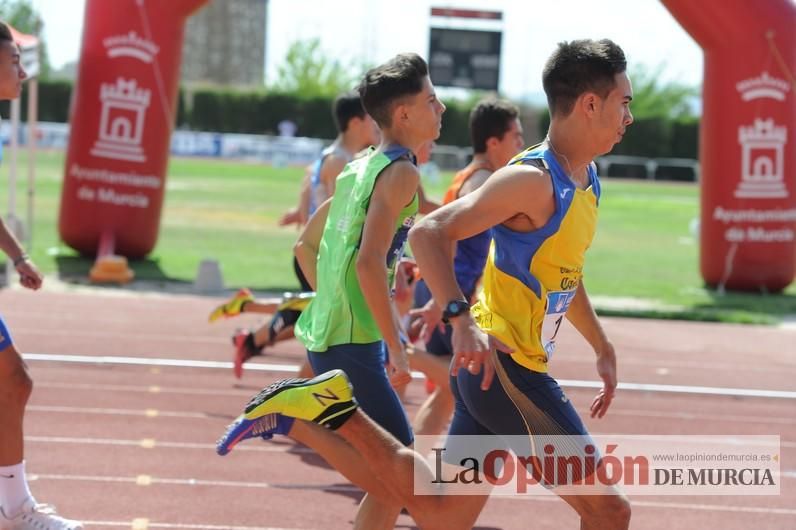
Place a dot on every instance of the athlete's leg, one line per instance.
(305, 370)
(364, 365)
(250, 344)
(340, 455)
(435, 413)
(16, 386)
(395, 466)
(409, 477)
(607, 511)
(534, 405)
(18, 508)
(376, 455)
(264, 337)
(262, 306)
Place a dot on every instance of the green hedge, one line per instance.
(54, 99)
(654, 137)
(259, 112)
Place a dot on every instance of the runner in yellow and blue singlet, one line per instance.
(529, 280)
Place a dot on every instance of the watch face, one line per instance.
(452, 307)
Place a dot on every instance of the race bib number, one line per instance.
(557, 305)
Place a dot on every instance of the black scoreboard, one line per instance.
(465, 58)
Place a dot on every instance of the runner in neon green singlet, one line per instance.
(339, 313)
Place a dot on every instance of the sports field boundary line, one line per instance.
(292, 369)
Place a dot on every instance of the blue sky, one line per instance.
(375, 30)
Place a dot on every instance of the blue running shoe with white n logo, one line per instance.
(264, 427)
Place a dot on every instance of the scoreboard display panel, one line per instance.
(465, 58)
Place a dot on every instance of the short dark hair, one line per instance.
(578, 67)
(347, 106)
(383, 85)
(490, 118)
(5, 33)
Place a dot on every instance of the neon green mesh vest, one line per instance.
(339, 314)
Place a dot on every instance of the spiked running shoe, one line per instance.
(264, 427)
(232, 307)
(245, 349)
(327, 399)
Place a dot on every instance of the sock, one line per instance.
(337, 421)
(13, 489)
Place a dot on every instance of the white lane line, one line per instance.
(685, 416)
(635, 503)
(290, 368)
(692, 365)
(713, 507)
(684, 389)
(263, 447)
(690, 416)
(351, 488)
(148, 413)
(285, 448)
(154, 413)
(197, 482)
(149, 389)
(183, 526)
(155, 337)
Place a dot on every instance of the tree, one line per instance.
(22, 15)
(309, 72)
(653, 98)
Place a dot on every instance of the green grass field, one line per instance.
(644, 258)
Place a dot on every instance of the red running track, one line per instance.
(131, 446)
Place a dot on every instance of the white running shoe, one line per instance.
(37, 517)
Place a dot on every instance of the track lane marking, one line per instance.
(160, 444)
(291, 368)
(347, 488)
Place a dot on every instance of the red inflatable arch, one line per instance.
(122, 113)
(747, 140)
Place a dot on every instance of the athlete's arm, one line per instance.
(582, 315)
(305, 197)
(308, 243)
(394, 189)
(331, 167)
(298, 215)
(431, 313)
(426, 205)
(512, 191)
(29, 275)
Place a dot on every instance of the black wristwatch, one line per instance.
(454, 308)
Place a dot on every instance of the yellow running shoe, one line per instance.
(232, 307)
(327, 399)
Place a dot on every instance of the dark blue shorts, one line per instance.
(364, 365)
(528, 406)
(5, 335)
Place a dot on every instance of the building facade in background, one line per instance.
(225, 44)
